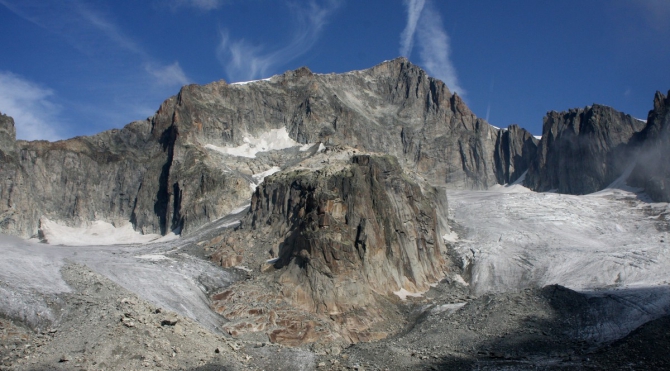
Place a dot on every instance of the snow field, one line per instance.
(273, 140)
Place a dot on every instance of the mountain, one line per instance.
(321, 201)
(585, 150)
(195, 159)
(582, 150)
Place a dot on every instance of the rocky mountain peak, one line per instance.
(580, 150)
(661, 102)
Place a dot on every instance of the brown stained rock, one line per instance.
(345, 238)
(294, 333)
(227, 259)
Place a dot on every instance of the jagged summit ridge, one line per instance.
(161, 174)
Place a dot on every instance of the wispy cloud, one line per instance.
(198, 4)
(169, 75)
(32, 107)
(425, 25)
(138, 84)
(414, 9)
(242, 60)
(77, 23)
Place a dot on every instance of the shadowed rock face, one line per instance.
(652, 171)
(582, 150)
(342, 237)
(159, 174)
(515, 149)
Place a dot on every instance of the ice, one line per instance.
(273, 140)
(450, 237)
(258, 178)
(157, 271)
(516, 187)
(95, 233)
(588, 242)
(608, 243)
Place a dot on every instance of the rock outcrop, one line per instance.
(336, 241)
(582, 150)
(652, 169)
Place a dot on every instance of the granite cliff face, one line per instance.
(515, 150)
(582, 150)
(336, 242)
(118, 176)
(204, 150)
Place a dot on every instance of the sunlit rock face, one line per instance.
(194, 160)
(351, 231)
(339, 239)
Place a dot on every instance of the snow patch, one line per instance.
(450, 308)
(96, 233)
(403, 294)
(250, 81)
(515, 187)
(620, 182)
(258, 178)
(450, 237)
(273, 140)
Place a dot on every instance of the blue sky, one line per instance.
(78, 67)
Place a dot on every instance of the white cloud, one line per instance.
(169, 75)
(425, 24)
(414, 9)
(35, 114)
(244, 61)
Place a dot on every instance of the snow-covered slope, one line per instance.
(95, 233)
(160, 272)
(606, 244)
